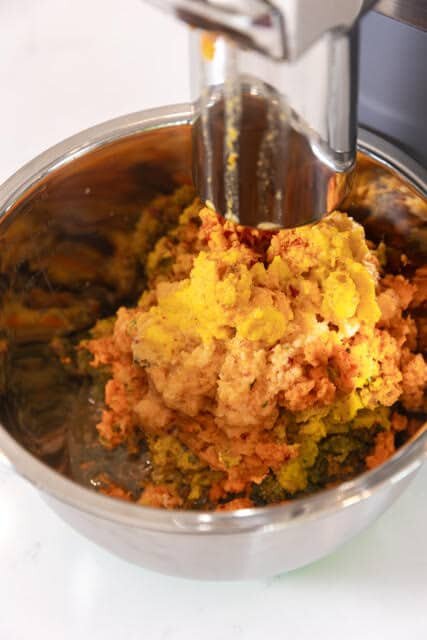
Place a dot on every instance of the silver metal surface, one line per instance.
(305, 21)
(249, 543)
(413, 12)
(283, 29)
(297, 127)
(300, 58)
(253, 23)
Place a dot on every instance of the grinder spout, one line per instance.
(275, 94)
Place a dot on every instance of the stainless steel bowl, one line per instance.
(99, 178)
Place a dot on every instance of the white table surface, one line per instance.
(65, 65)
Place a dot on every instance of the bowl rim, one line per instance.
(405, 462)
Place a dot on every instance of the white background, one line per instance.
(65, 65)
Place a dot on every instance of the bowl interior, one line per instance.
(64, 262)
